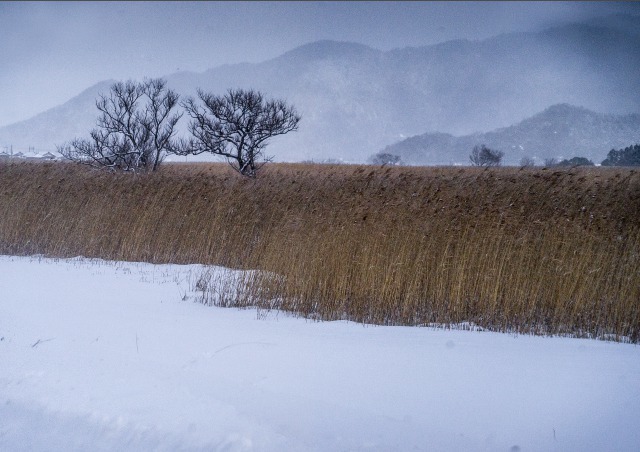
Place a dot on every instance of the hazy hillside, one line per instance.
(621, 22)
(72, 119)
(355, 100)
(560, 131)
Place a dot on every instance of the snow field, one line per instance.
(98, 355)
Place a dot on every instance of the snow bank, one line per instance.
(98, 355)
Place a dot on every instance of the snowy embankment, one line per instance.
(117, 356)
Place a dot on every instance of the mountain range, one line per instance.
(559, 132)
(355, 100)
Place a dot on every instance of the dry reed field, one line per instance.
(531, 250)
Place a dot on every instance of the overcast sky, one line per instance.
(51, 51)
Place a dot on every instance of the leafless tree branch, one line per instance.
(483, 156)
(237, 126)
(135, 129)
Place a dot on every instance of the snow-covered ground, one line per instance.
(98, 355)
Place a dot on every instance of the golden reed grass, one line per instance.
(543, 251)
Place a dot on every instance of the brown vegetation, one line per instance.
(549, 251)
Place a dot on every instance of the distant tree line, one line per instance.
(137, 125)
(481, 155)
(629, 156)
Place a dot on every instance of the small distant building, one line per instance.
(4, 155)
(48, 156)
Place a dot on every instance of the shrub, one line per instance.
(384, 158)
(576, 161)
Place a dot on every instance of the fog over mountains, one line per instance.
(561, 131)
(356, 100)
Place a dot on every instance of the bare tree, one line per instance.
(134, 130)
(385, 158)
(526, 162)
(483, 156)
(238, 126)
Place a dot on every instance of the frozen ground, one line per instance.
(97, 355)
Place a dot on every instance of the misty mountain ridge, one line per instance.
(625, 23)
(561, 131)
(355, 100)
(74, 118)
